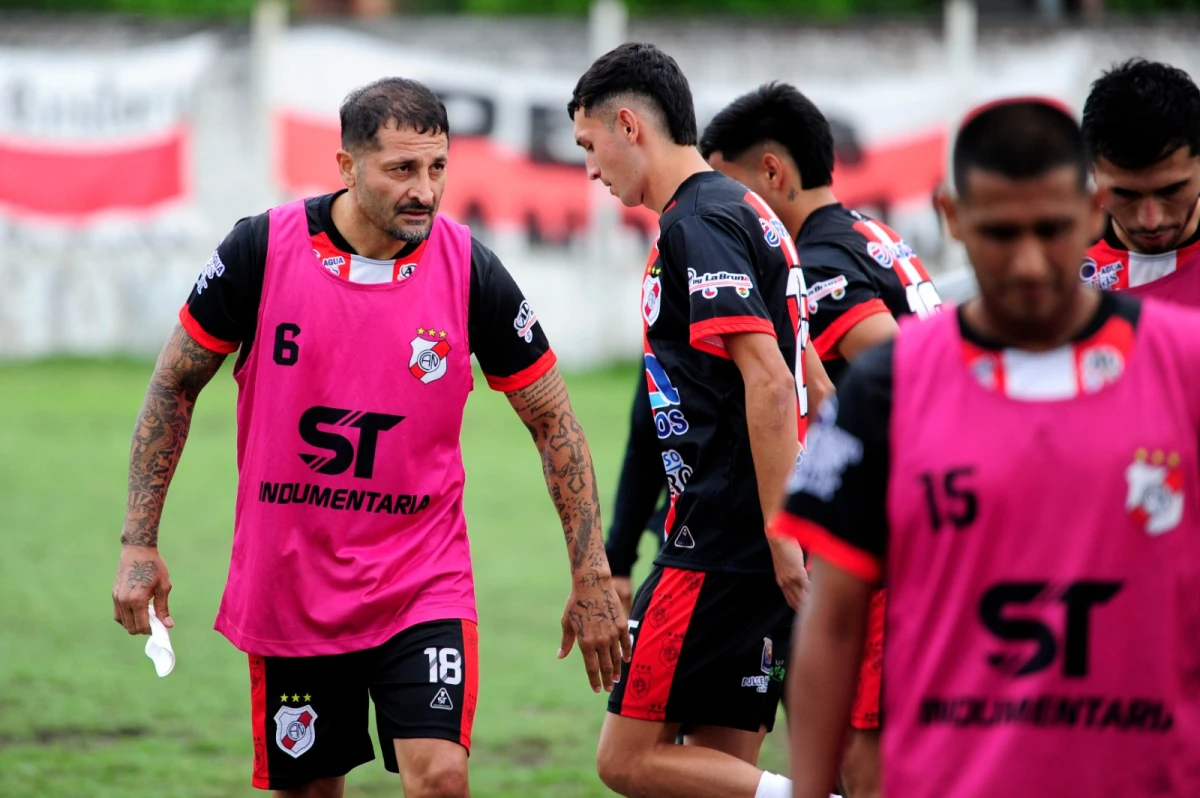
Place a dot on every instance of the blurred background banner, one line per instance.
(88, 137)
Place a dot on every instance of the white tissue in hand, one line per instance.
(158, 647)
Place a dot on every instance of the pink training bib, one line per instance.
(1043, 568)
(349, 524)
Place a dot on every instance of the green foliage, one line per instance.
(166, 8)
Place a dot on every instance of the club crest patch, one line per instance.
(1154, 500)
(295, 729)
(429, 351)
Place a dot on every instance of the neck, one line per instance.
(795, 212)
(676, 164)
(366, 239)
(1065, 326)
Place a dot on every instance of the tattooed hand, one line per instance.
(593, 617)
(593, 614)
(141, 575)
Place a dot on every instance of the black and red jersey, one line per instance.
(855, 267)
(221, 312)
(722, 264)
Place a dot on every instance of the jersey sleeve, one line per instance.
(222, 308)
(505, 333)
(722, 282)
(837, 503)
(840, 295)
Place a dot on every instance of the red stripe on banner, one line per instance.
(258, 721)
(77, 180)
(471, 689)
(659, 643)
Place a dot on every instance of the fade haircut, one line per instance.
(642, 71)
(1019, 139)
(399, 101)
(1139, 112)
(775, 112)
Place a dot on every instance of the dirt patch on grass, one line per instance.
(523, 751)
(69, 735)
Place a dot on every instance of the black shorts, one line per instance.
(710, 649)
(310, 714)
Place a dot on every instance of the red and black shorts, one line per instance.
(310, 714)
(865, 713)
(710, 649)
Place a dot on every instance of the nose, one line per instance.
(593, 169)
(1029, 259)
(1150, 214)
(422, 189)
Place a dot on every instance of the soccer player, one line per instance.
(861, 276)
(1141, 122)
(354, 316)
(1023, 474)
(722, 305)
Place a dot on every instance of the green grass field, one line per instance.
(82, 712)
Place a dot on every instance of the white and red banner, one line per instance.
(87, 137)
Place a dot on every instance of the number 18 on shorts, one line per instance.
(310, 715)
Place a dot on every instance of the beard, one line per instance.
(383, 215)
(411, 235)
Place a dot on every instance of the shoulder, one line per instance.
(483, 260)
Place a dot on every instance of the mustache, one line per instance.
(414, 206)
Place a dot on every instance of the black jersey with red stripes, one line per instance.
(222, 310)
(723, 264)
(855, 267)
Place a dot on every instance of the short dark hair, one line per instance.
(406, 103)
(775, 112)
(1141, 111)
(1018, 139)
(645, 71)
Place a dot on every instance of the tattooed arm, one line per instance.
(184, 367)
(593, 614)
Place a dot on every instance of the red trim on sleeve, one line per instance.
(706, 335)
(820, 541)
(526, 376)
(826, 343)
(209, 342)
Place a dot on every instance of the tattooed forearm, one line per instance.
(183, 369)
(545, 408)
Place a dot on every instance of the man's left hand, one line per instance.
(593, 617)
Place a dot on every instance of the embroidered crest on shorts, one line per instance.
(295, 729)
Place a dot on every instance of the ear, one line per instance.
(948, 205)
(772, 169)
(628, 125)
(345, 163)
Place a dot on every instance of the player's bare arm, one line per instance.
(593, 614)
(874, 329)
(772, 423)
(817, 384)
(184, 367)
(822, 675)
